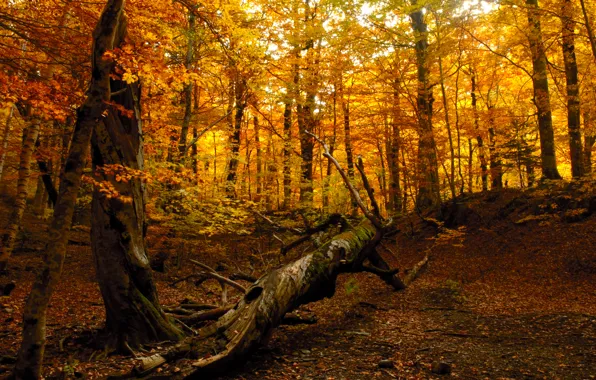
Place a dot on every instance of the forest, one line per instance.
(301, 189)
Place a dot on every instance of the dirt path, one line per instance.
(414, 330)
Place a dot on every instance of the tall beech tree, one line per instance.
(428, 170)
(572, 85)
(541, 93)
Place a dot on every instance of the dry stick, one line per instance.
(413, 273)
(375, 259)
(373, 218)
(194, 140)
(277, 226)
(201, 278)
(210, 272)
(331, 220)
(206, 315)
(369, 189)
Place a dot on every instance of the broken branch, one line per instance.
(370, 216)
(211, 273)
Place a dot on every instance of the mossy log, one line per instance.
(249, 324)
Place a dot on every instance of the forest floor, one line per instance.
(509, 293)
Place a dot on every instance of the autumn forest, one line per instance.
(200, 189)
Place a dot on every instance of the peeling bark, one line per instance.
(133, 313)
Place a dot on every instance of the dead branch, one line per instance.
(369, 190)
(177, 310)
(277, 226)
(413, 273)
(333, 219)
(199, 276)
(370, 216)
(242, 276)
(391, 279)
(211, 273)
(194, 140)
(209, 315)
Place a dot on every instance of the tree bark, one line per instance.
(133, 313)
(588, 28)
(5, 135)
(287, 151)
(589, 141)
(573, 100)
(182, 142)
(479, 139)
(108, 33)
(451, 178)
(541, 93)
(259, 177)
(395, 201)
(239, 105)
(428, 170)
(345, 106)
(20, 203)
(496, 164)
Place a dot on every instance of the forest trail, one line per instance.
(509, 296)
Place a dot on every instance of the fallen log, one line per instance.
(248, 324)
(236, 334)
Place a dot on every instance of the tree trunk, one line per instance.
(259, 177)
(496, 164)
(541, 94)
(108, 33)
(327, 180)
(307, 144)
(479, 140)
(428, 170)
(14, 221)
(451, 178)
(496, 167)
(133, 313)
(182, 142)
(5, 136)
(395, 201)
(239, 105)
(588, 28)
(287, 152)
(345, 106)
(589, 141)
(573, 102)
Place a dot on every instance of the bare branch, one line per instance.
(373, 219)
(194, 140)
(369, 190)
(211, 273)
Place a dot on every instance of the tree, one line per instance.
(571, 79)
(108, 34)
(133, 313)
(428, 172)
(541, 94)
